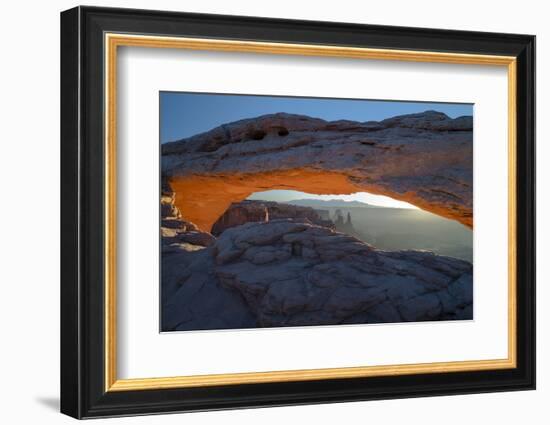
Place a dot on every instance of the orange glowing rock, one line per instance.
(424, 159)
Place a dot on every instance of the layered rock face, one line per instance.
(293, 273)
(424, 159)
(260, 211)
(177, 233)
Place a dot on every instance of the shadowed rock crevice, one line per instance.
(424, 159)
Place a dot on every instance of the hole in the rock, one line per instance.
(257, 134)
(282, 132)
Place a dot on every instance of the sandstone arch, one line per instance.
(424, 159)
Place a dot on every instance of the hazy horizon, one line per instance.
(364, 197)
(386, 223)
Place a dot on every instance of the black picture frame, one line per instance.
(83, 392)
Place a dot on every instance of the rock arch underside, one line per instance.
(294, 272)
(423, 159)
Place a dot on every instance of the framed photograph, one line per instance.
(261, 212)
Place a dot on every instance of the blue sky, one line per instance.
(186, 114)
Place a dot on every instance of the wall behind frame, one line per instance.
(29, 224)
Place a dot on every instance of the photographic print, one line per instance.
(287, 211)
(316, 201)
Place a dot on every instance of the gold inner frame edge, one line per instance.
(112, 41)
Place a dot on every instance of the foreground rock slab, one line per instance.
(294, 273)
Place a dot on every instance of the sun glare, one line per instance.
(364, 197)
